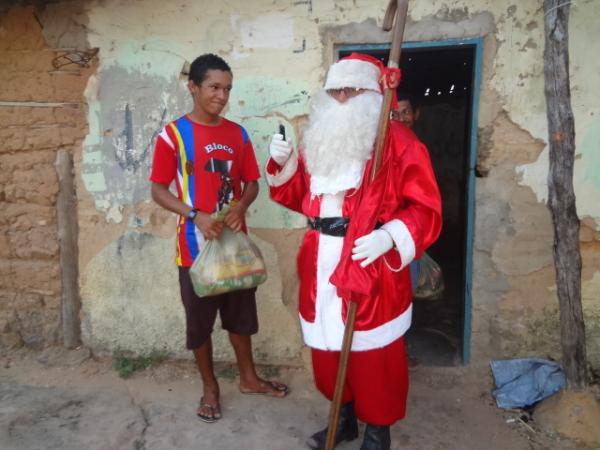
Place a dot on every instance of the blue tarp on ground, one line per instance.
(523, 382)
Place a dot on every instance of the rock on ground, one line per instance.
(572, 414)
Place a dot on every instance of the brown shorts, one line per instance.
(237, 310)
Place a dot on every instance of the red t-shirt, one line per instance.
(209, 165)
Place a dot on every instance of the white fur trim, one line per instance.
(328, 316)
(361, 340)
(402, 239)
(353, 73)
(327, 331)
(285, 174)
(331, 205)
(321, 184)
(165, 137)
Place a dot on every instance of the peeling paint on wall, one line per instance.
(585, 98)
(279, 51)
(275, 30)
(590, 295)
(158, 58)
(128, 115)
(254, 104)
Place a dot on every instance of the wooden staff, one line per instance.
(395, 16)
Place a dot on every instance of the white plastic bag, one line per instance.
(430, 282)
(230, 263)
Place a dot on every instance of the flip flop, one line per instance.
(269, 388)
(215, 413)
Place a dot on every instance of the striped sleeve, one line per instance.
(164, 161)
(250, 171)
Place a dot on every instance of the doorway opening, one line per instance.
(442, 80)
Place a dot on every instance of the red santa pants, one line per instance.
(376, 380)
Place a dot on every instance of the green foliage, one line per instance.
(126, 365)
(229, 372)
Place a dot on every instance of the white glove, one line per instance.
(371, 246)
(279, 149)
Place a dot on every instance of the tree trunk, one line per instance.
(561, 196)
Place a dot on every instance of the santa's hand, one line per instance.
(279, 149)
(371, 246)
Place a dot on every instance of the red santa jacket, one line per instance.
(404, 197)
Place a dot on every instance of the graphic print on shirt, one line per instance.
(226, 189)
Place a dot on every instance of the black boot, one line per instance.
(347, 429)
(377, 437)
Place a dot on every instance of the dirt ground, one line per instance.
(58, 399)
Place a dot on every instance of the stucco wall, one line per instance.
(279, 52)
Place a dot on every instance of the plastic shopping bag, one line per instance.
(230, 263)
(430, 281)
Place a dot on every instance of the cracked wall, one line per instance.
(279, 52)
(42, 111)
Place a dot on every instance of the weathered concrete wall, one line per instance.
(279, 52)
(42, 110)
(515, 311)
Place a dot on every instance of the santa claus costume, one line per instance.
(397, 215)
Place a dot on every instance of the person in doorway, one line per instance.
(213, 164)
(407, 111)
(361, 239)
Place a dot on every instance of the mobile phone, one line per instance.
(282, 130)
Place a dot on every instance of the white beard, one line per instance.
(339, 140)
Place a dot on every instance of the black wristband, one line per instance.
(192, 214)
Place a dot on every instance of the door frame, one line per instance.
(477, 44)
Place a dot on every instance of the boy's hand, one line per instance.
(210, 228)
(235, 217)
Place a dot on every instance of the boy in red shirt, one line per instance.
(212, 162)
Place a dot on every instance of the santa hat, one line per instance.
(355, 71)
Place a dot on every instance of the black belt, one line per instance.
(332, 226)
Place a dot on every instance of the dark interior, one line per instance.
(439, 80)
